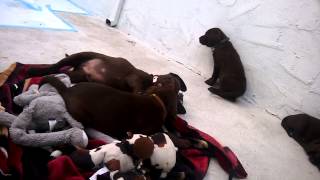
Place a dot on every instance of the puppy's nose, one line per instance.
(202, 40)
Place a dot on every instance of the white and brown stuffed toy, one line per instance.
(164, 154)
(118, 156)
(129, 155)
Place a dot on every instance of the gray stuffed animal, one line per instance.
(44, 120)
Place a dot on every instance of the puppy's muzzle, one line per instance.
(202, 40)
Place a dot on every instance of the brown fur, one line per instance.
(305, 129)
(116, 72)
(228, 77)
(113, 165)
(143, 148)
(302, 127)
(116, 112)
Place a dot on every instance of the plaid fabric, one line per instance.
(196, 161)
(10, 161)
(13, 85)
(200, 158)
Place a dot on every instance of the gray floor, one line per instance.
(256, 137)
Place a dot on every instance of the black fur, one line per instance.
(82, 159)
(228, 78)
(305, 129)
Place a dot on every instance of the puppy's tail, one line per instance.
(56, 83)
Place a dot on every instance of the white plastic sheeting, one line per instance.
(36, 13)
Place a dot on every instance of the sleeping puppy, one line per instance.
(305, 130)
(116, 112)
(228, 79)
(115, 72)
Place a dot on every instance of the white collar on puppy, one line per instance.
(154, 79)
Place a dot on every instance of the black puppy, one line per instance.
(228, 78)
(305, 130)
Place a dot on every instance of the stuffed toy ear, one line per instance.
(143, 148)
(25, 98)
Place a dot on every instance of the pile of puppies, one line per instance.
(113, 96)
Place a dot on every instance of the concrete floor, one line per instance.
(256, 137)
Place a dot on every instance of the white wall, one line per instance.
(278, 41)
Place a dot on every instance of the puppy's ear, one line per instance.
(67, 55)
(183, 86)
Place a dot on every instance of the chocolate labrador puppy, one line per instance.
(228, 79)
(305, 129)
(117, 112)
(114, 72)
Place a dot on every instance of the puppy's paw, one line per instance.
(213, 90)
(210, 81)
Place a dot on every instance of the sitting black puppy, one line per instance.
(228, 79)
(305, 130)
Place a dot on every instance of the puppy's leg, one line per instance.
(184, 143)
(214, 77)
(73, 60)
(231, 96)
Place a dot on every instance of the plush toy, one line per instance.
(139, 152)
(116, 175)
(116, 156)
(44, 120)
(163, 158)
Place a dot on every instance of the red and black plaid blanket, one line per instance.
(18, 162)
